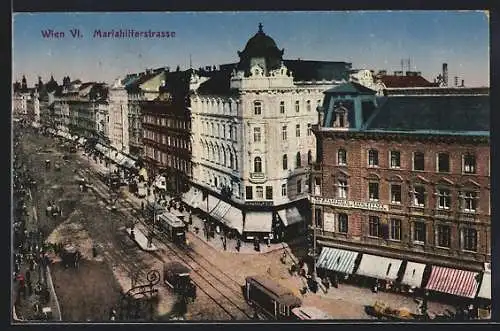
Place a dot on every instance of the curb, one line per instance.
(49, 280)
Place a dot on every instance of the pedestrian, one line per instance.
(268, 241)
(238, 244)
(375, 286)
(224, 244)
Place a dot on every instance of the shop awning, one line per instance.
(338, 260)
(220, 210)
(258, 221)
(379, 267)
(485, 289)
(128, 162)
(234, 219)
(212, 203)
(413, 274)
(453, 281)
(119, 158)
(290, 216)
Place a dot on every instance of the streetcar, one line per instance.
(270, 299)
(177, 277)
(310, 313)
(153, 209)
(173, 227)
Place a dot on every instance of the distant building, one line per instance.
(118, 117)
(405, 177)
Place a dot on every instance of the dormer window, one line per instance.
(257, 107)
(340, 118)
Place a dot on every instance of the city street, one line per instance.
(93, 290)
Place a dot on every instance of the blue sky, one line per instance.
(373, 40)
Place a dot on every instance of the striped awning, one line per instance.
(337, 260)
(234, 219)
(485, 289)
(256, 221)
(220, 210)
(379, 267)
(290, 216)
(413, 274)
(453, 281)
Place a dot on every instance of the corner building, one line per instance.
(405, 177)
(252, 139)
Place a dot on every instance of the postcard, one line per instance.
(251, 166)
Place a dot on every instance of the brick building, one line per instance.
(405, 177)
(166, 124)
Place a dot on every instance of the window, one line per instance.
(395, 159)
(418, 161)
(419, 232)
(444, 198)
(469, 164)
(285, 162)
(257, 164)
(297, 130)
(395, 193)
(257, 108)
(283, 190)
(343, 223)
(211, 129)
(282, 107)
(373, 191)
(309, 129)
(443, 162)
(342, 189)
(224, 131)
(308, 105)
(309, 157)
(283, 133)
(470, 198)
(249, 192)
(373, 158)
(269, 192)
(297, 106)
(298, 160)
(341, 157)
(259, 192)
(443, 236)
(299, 186)
(469, 239)
(318, 217)
(374, 226)
(256, 135)
(419, 196)
(395, 233)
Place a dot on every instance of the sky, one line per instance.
(369, 40)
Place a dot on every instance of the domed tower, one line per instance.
(24, 84)
(260, 50)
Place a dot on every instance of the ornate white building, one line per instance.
(252, 140)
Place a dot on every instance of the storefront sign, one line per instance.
(259, 203)
(349, 203)
(329, 222)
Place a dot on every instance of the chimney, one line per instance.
(463, 83)
(445, 74)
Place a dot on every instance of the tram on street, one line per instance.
(270, 299)
(173, 227)
(310, 313)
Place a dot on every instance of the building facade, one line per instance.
(406, 175)
(166, 125)
(252, 138)
(140, 87)
(118, 117)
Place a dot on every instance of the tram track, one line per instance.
(218, 290)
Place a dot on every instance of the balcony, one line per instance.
(443, 213)
(258, 177)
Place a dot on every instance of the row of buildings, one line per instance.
(393, 165)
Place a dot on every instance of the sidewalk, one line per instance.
(141, 240)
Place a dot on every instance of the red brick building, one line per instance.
(404, 177)
(166, 123)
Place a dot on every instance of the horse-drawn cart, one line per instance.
(382, 310)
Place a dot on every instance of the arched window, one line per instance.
(309, 157)
(285, 162)
(225, 156)
(231, 160)
(257, 164)
(297, 160)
